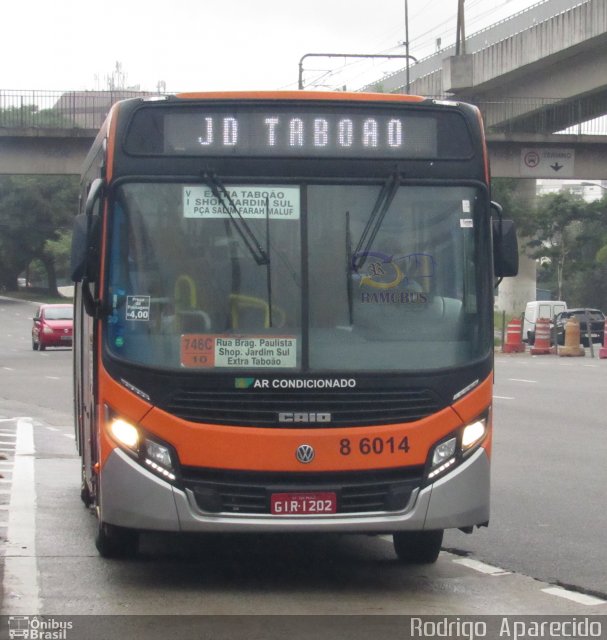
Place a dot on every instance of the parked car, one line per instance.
(53, 326)
(597, 325)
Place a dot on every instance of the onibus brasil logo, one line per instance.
(38, 628)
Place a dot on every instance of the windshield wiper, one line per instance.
(250, 240)
(380, 208)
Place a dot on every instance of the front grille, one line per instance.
(250, 493)
(260, 409)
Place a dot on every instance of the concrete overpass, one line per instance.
(541, 70)
(47, 151)
(44, 151)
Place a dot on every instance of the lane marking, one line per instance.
(20, 584)
(580, 598)
(503, 398)
(522, 380)
(481, 567)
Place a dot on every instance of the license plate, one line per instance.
(287, 504)
(66, 338)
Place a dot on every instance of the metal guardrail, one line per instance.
(59, 109)
(88, 109)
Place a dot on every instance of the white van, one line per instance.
(540, 309)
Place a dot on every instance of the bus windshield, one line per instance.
(355, 277)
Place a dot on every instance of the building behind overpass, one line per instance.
(88, 109)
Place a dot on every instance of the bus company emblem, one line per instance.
(305, 453)
(388, 271)
(304, 417)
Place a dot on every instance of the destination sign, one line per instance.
(339, 132)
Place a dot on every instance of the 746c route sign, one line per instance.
(547, 162)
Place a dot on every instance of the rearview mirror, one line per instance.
(85, 238)
(505, 246)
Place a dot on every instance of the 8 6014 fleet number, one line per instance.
(374, 446)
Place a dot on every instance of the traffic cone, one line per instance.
(541, 345)
(514, 341)
(603, 349)
(572, 339)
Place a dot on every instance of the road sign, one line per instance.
(547, 162)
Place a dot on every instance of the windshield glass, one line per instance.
(59, 313)
(336, 288)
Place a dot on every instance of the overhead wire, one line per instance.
(424, 42)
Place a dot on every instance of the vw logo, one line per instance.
(305, 453)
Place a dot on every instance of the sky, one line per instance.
(217, 45)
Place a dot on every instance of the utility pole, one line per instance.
(460, 36)
(407, 43)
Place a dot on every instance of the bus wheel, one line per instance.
(85, 493)
(116, 542)
(418, 547)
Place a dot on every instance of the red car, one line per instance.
(53, 326)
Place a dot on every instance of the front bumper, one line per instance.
(133, 497)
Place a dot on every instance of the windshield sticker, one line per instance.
(138, 308)
(466, 206)
(466, 223)
(253, 202)
(207, 351)
(392, 279)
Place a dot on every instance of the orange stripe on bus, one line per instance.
(327, 96)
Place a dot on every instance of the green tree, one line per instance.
(35, 212)
(30, 115)
(564, 232)
(588, 284)
(504, 191)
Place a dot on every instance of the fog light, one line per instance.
(443, 457)
(444, 451)
(158, 453)
(125, 433)
(158, 458)
(439, 470)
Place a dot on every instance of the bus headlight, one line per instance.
(125, 433)
(473, 433)
(149, 452)
(456, 447)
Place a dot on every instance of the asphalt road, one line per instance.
(549, 472)
(547, 527)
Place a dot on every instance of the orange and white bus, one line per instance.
(284, 317)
